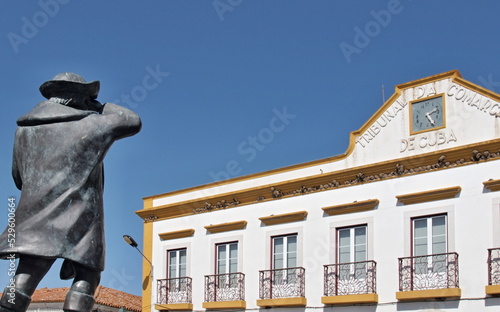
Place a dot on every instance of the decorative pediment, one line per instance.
(431, 114)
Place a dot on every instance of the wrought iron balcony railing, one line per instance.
(428, 272)
(282, 283)
(494, 266)
(350, 278)
(225, 287)
(174, 290)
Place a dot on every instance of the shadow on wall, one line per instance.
(366, 308)
(492, 301)
(435, 305)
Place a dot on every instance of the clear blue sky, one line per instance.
(228, 87)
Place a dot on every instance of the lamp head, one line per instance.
(129, 240)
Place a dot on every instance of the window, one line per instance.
(352, 253)
(285, 279)
(429, 244)
(429, 235)
(227, 264)
(430, 265)
(285, 259)
(176, 270)
(284, 252)
(176, 263)
(352, 244)
(227, 258)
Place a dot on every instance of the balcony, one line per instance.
(350, 283)
(428, 277)
(174, 294)
(282, 287)
(225, 291)
(493, 287)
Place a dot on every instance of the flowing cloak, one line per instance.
(57, 165)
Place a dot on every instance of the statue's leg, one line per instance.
(29, 273)
(80, 297)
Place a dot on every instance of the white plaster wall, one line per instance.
(473, 223)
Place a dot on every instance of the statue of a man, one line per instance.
(57, 164)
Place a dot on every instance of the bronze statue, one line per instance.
(57, 164)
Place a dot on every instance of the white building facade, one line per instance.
(408, 219)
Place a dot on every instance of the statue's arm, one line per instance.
(15, 171)
(124, 122)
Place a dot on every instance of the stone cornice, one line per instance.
(426, 196)
(284, 218)
(176, 234)
(224, 227)
(492, 185)
(393, 169)
(351, 207)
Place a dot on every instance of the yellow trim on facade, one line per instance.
(174, 306)
(492, 290)
(477, 88)
(176, 234)
(426, 196)
(249, 196)
(147, 268)
(351, 207)
(454, 74)
(458, 156)
(492, 185)
(284, 218)
(283, 302)
(224, 227)
(429, 294)
(350, 299)
(148, 203)
(247, 177)
(236, 304)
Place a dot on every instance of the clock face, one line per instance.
(427, 114)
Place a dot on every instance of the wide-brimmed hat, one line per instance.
(69, 83)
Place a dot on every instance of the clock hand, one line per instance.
(428, 116)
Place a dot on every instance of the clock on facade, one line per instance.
(427, 114)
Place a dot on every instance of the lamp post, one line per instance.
(130, 240)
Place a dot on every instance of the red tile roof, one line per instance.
(49, 294)
(103, 295)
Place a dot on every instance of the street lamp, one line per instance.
(130, 240)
